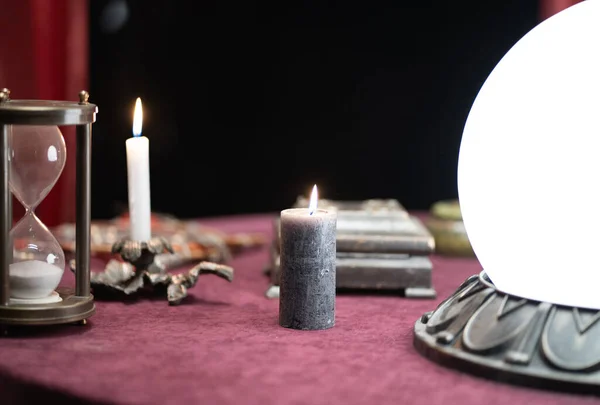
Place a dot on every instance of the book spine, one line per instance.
(379, 256)
(381, 274)
(375, 224)
(405, 244)
(417, 242)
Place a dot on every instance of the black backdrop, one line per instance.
(248, 104)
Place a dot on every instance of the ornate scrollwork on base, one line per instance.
(482, 330)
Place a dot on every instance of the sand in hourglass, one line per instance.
(32, 279)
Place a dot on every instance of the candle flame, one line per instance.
(314, 196)
(138, 117)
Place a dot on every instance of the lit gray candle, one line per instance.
(307, 263)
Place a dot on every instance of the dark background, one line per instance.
(248, 104)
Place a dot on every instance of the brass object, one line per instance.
(71, 309)
(446, 225)
(447, 210)
(77, 303)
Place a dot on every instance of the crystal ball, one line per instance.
(529, 163)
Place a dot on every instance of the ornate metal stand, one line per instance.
(139, 271)
(506, 338)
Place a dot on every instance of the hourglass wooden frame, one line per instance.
(77, 304)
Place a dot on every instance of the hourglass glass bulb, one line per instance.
(38, 260)
(37, 158)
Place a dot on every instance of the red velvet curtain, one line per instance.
(45, 56)
(550, 7)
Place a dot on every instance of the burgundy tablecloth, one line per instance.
(224, 346)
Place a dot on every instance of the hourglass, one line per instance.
(32, 262)
(37, 157)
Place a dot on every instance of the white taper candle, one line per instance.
(138, 179)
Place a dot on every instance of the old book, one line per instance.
(384, 274)
(379, 226)
(413, 243)
(350, 221)
(391, 235)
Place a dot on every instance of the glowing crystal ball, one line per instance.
(529, 163)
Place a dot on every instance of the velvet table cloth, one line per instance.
(223, 345)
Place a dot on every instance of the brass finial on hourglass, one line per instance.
(32, 262)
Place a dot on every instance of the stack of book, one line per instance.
(380, 247)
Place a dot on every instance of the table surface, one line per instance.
(223, 345)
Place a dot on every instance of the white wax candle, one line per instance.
(138, 179)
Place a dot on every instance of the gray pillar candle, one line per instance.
(307, 263)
